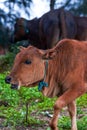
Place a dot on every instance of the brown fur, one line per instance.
(66, 74)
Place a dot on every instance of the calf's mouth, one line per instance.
(15, 86)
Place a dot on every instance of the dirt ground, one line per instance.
(44, 117)
(32, 127)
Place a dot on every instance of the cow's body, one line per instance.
(46, 31)
(65, 74)
(81, 23)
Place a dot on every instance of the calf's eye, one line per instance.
(27, 62)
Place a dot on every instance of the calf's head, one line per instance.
(28, 68)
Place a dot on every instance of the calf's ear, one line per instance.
(50, 54)
(21, 48)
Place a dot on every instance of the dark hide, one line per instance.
(46, 31)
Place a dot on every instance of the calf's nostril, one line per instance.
(8, 79)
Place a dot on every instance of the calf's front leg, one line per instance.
(68, 97)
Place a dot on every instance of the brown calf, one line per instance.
(64, 75)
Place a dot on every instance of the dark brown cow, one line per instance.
(63, 75)
(46, 31)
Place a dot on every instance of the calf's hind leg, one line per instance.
(72, 112)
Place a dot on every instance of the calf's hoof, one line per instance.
(54, 128)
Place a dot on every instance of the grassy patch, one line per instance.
(15, 112)
(30, 98)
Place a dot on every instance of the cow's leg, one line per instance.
(72, 112)
(69, 96)
(53, 123)
(54, 36)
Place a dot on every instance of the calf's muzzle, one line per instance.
(8, 81)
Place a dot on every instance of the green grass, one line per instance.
(15, 112)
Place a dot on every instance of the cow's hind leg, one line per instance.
(72, 112)
(69, 96)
